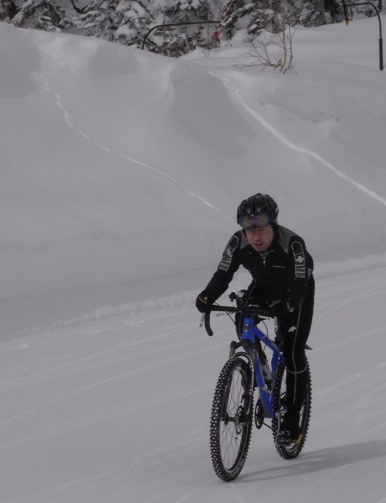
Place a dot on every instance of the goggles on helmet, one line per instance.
(255, 222)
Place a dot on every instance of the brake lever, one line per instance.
(205, 320)
(208, 328)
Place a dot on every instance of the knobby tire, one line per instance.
(231, 419)
(294, 449)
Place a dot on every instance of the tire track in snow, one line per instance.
(67, 118)
(236, 96)
(175, 182)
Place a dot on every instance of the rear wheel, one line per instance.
(231, 419)
(280, 406)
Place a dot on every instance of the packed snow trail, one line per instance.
(117, 407)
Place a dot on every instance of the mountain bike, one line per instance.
(246, 371)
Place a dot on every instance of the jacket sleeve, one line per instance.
(230, 262)
(300, 269)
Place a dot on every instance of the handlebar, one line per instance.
(251, 310)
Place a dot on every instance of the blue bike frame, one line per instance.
(252, 333)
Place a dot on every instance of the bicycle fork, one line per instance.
(249, 360)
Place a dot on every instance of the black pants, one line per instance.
(293, 332)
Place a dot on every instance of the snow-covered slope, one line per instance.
(121, 174)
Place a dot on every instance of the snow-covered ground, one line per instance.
(121, 174)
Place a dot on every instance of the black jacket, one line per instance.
(281, 272)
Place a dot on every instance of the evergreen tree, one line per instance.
(8, 10)
(128, 21)
(181, 39)
(123, 21)
(333, 11)
(267, 15)
(53, 15)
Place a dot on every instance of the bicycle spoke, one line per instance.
(231, 428)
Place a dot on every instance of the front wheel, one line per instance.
(293, 449)
(231, 419)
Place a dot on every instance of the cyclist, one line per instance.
(282, 281)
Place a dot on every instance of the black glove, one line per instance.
(278, 307)
(203, 302)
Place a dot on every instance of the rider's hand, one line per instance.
(203, 302)
(278, 307)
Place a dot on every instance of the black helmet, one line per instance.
(259, 210)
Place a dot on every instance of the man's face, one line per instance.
(260, 238)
